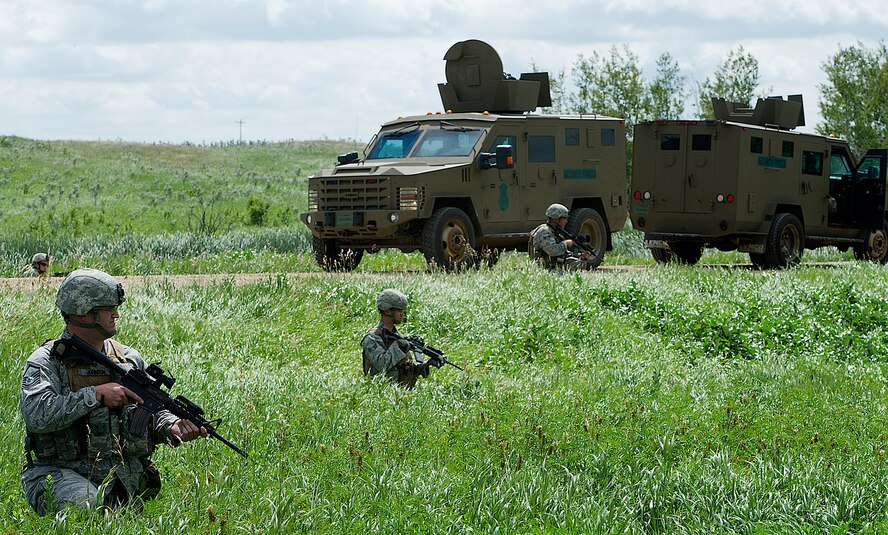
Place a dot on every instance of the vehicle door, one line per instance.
(868, 190)
(541, 175)
(700, 182)
(841, 187)
(670, 178)
(502, 187)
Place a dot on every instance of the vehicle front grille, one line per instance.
(342, 194)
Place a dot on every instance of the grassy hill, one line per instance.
(75, 188)
(67, 196)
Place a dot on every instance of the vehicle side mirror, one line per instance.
(502, 158)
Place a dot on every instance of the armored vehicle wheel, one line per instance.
(331, 257)
(687, 252)
(682, 252)
(448, 239)
(662, 256)
(589, 224)
(785, 243)
(875, 248)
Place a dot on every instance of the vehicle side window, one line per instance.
(670, 142)
(541, 149)
(870, 168)
(812, 163)
(839, 165)
(701, 142)
(788, 149)
(608, 138)
(756, 145)
(572, 137)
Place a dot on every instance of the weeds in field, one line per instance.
(670, 400)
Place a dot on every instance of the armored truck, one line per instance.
(466, 184)
(746, 181)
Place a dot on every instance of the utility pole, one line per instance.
(240, 131)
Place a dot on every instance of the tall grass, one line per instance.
(662, 400)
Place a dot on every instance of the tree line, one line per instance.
(853, 98)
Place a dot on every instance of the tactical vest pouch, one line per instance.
(64, 445)
(100, 433)
(133, 445)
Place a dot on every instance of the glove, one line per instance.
(404, 345)
(423, 369)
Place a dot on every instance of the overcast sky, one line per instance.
(189, 70)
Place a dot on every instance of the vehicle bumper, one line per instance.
(357, 224)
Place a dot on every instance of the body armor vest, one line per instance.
(101, 435)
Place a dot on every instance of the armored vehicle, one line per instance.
(745, 181)
(464, 185)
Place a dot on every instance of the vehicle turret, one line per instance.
(476, 82)
(772, 111)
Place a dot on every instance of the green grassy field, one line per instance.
(664, 399)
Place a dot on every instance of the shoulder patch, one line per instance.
(31, 376)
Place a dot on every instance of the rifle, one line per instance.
(419, 347)
(579, 241)
(147, 385)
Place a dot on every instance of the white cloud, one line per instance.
(163, 70)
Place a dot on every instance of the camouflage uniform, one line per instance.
(553, 254)
(30, 271)
(392, 359)
(84, 446)
(79, 442)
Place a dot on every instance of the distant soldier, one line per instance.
(79, 445)
(39, 264)
(384, 354)
(545, 248)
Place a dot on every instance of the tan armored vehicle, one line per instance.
(464, 185)
(745, 181)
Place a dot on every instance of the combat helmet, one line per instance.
(391, 299)
(39, 257)
(86, 289)
(557, 211)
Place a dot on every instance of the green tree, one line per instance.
(611, 85)
(735, 80)
(667, 91)
(854, 100)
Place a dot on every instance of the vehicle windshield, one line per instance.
(433, 142)
(395, 144)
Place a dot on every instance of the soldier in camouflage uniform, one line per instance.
(554, 254)
(39, 264)
(78, 444)
(386, 355)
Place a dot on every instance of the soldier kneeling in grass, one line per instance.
(548, 250)
(81, 449)
(385, 352)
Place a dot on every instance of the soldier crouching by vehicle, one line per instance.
(385, 354)
(552, 253)
(38, 267)
(79, 446)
